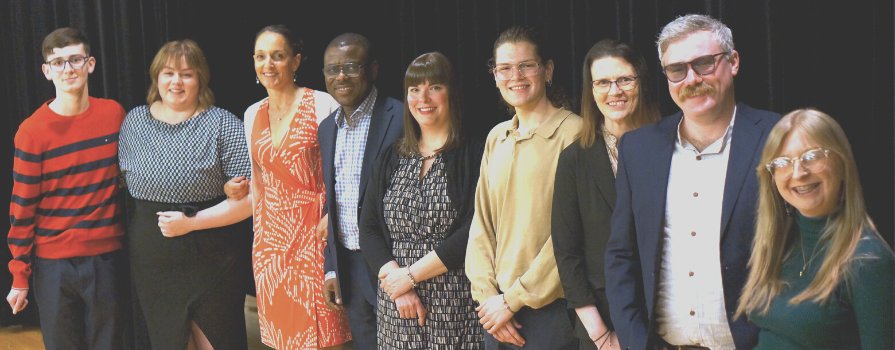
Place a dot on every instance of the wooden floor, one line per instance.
(29, 338)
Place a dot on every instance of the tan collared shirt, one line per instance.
(690, 299)
(510, 250)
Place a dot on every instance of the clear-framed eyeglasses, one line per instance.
(506, 71)
(76, 62)
(813, 160)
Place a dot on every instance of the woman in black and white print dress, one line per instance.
(415, 220)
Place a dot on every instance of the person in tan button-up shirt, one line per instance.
(509, 258)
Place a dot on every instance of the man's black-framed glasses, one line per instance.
(702, 65)
(349, 69)
(76, 62)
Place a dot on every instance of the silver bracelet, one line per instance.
(410, 275)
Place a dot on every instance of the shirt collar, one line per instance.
(545, 130)
(716, 147)
(365, 109)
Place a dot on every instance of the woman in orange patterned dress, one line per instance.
(288, 198)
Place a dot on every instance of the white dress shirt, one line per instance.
(690, 299)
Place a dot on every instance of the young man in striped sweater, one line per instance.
(64, 215)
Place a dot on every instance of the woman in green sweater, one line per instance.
(821, 277)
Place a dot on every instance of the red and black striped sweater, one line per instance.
(65, 186)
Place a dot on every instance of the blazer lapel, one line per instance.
(601, 168)
(327, 139)
(744, 148)
(379, 123)
(658, 166)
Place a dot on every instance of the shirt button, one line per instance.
(692, 313)
(698, 157)
(695, 194)
(693, 233)
(691, 273)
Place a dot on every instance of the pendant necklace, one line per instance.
(805, 263)
(433, 155)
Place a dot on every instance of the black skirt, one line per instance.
(195, 277)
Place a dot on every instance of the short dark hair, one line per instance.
(647, 109)
(62, 37)
(346, 39)
(515, 34)
(435, 68)
(294, 41)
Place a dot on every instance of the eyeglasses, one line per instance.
(76, 62)
(506, 71)
(702, 65)
(623, 83)
(812, 160)
(349, 69)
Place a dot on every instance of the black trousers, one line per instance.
(79, 301)
(549, 327)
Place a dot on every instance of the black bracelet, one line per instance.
(601, 336)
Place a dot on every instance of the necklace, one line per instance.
(805, 262)
(278, 115)
(433, 155)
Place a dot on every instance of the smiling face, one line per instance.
(350, 92)
(699, 95)
(275, 63)
(69, 80)
(616, 104)
(429, 104)
(813, 193)
(520, 91)
(178, 85)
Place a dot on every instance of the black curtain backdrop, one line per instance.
(834, 56)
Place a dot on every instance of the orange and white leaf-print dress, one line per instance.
(287, 255)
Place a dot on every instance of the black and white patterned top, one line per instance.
(185, 162)
(418, 213)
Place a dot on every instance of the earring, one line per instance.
(549, 83)
(257, 81)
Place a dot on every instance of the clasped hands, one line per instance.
(497, 319)
(395, 281)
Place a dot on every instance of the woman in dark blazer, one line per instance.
(416, 217)
(615, 99)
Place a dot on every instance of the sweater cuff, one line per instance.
(515, 297)
(20, 281)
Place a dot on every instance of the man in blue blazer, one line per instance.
(683, 223)
(351, 140)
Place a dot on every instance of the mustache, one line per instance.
(695, 90)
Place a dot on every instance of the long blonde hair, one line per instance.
(772, 229)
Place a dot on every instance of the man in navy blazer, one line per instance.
(683, 224)
(351, 140)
